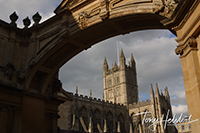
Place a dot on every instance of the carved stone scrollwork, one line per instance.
(191, 42)
(8, 71)
(169, 5)
(83, 19)
(179, 50)
(31, 62)
(166, 8)
(73, 2)
(21, 75)
(105, 7)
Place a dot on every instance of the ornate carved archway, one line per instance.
(38, 52)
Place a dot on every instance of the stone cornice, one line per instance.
(191, 10)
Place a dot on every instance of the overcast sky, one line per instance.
(153, 51)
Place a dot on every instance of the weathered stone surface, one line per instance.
(41, 50)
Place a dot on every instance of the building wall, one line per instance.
(113, 114)
(184, 128)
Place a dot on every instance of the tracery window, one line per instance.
(109, 117)
(134, 123)
(97, 120)
(122, 123)
(147, 125)
(84, 114)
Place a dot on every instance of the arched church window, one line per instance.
(97, 120)
(84, 115)
(109, 118)
(147, 124)
(134, 121)
(122, 123)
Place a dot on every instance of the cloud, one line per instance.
(180, 109)
(153, 51)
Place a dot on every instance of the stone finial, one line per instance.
(115, 65)
(26, 22)
(105, 63)
(157, 90)
(90, 93)
(152, 92)
(13, 18)
(132, 58)
(36, 18)
(167, 93)
(76, 89)
(132, 61)
(122, 54)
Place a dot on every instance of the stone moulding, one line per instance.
(115, 7)
(191, 42)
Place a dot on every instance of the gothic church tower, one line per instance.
(120, 82)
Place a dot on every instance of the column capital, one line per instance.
(186, 47)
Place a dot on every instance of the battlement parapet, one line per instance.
(95, 100)
(140, 104)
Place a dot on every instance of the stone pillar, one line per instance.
(191, 75)
(33, 114)
(140, 128)
(131, 129)
(3, 119)
(17, 120)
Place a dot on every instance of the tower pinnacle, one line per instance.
(122, 54)
(167, 93)
(132, 59)
(152, 94)
(105, 61)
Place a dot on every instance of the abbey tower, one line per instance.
(120, 82)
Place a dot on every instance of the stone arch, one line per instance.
(147, 126)
(110, 121)
(75, 33)
(122, 122)
(83, 112)
(134, 120)
(97, 119)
